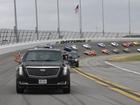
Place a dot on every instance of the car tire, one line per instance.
(77, 65)
(19, 89)
(66, 90)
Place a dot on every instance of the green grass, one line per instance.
(126, 58)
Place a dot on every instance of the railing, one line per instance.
(7, 36)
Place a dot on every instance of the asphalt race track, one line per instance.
(125, 73)
(84, 91)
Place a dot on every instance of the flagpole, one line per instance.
(103, 31)
(80, 18)
(36, 14)
(15, 27)
(58, 17)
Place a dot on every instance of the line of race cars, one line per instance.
(126, 48)
(117, 47)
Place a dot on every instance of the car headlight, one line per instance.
(65, 70)
(20, 71)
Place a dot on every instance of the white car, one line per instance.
(101, 45)
(87, 46)
(138, 50)
(115, 44)
(116, 51)
(74, 47)
(126, 50)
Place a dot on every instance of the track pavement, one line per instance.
(83, 91)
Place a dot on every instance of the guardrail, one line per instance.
(7, 36)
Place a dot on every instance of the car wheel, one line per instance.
(66, 90)
(19, 89)
(77, 65)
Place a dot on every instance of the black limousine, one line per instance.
(45, 68)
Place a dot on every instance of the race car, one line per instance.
(138, 50)
(74, 47)
(126, 50)
(87, 46)
(48, 46)
(127, 44)
(44, 46)
(68, 48)
(114, 44)
(101, 45)
(105, 51)
(136, 43)
(90, 53)
(116, 51)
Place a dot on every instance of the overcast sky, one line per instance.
(116, 15)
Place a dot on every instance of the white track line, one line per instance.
(123, 69)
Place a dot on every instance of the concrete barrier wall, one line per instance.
(20, 46)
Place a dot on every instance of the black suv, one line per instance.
(43, 68)
(73, 59)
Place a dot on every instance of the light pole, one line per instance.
(58, 17)
(15, 27)
(80, 18)
(103, 31)
(36, 15)
(129, 16)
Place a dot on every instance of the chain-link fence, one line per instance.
(7, 36)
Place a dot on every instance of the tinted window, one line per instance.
(43, 55)
(73, 55)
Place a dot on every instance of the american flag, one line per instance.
(76, 8)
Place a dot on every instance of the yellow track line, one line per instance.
(126, 94)
(115, 87)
